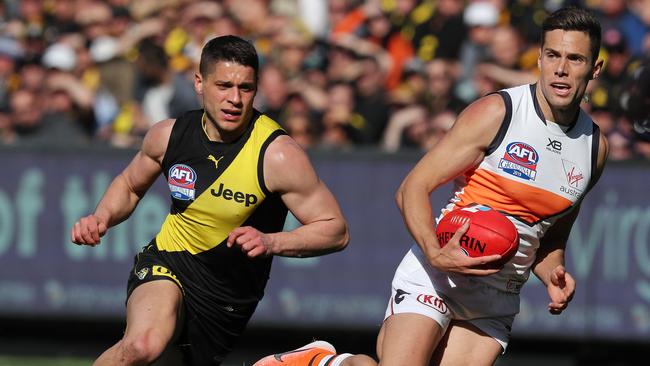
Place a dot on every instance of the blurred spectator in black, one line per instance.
(441, 80)
(636, 106)
(615, 14)
(162, 92)
(11, 54)
(526, 16)
(272, 92)
(60, 19)
(195, 28)
(31, 75)
(30, 13)
(504, 63)
(26, 115)
(369, 23)
(371, 101)
(302, 130)
(441, 35)
(68, 116)
(340, 122)
(607, 89)
(336, 79)
(342, 59)
(406, 129)
(293, 46)
(114, 98)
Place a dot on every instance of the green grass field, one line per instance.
(43, 361)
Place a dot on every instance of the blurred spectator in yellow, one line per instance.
(11, 53)
(608, 88)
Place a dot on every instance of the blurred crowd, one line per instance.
(337, 74)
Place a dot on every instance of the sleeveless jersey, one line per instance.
(216, 187)
(534, 172)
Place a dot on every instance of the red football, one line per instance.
(490, 232)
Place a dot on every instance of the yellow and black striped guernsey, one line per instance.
(216, 187)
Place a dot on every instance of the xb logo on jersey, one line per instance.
(554, 146)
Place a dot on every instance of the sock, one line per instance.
(334, 360)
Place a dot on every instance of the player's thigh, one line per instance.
(407, 339)
(464, 344)
(153, 309)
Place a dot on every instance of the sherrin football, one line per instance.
(490, 232)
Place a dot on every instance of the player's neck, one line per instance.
(214, 133)
(562, 116)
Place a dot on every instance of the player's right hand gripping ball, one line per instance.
(490, 232)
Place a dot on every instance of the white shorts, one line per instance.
(419, 288)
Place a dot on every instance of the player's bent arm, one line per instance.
(549, 260)
(549, 263)
(130, 186)
(126, 190)
(288, 171)
(462, 148)
(552, 245)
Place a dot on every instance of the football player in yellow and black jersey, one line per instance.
(232, 174)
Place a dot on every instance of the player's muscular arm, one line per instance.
(126, 190)
(288, 171)
(463, 147)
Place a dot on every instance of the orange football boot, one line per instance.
(308, 355)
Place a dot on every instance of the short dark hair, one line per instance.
(228, 48)
(575, 19)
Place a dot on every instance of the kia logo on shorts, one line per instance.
(433, 302)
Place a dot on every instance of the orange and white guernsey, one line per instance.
(534, 172)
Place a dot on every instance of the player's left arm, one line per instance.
(549, 262)
(288, 171)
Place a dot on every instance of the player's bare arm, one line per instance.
(288, 171)
(549, 263)
(462, 148)
(126, 190)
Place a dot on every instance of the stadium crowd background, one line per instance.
(337, 74)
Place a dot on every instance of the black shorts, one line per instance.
(209, 326)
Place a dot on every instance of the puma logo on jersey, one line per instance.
(215, 160)
(239, 197)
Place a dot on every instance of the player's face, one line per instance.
(566, 66)
(228, 91)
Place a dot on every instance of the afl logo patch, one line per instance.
(181, 180)
(520, 160)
